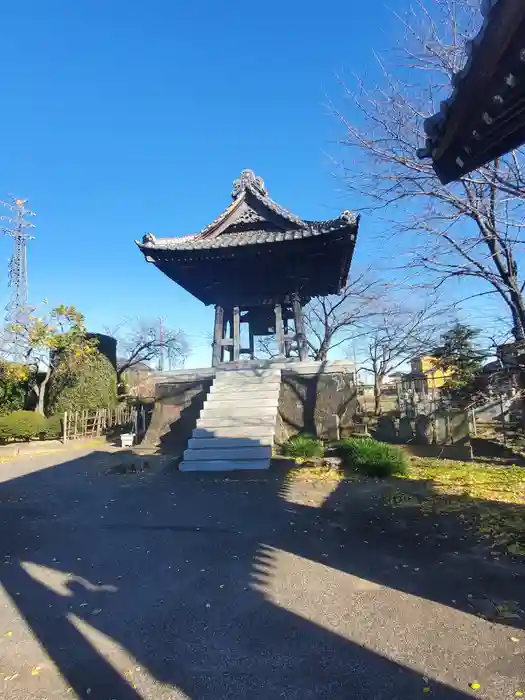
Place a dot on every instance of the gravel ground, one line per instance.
(161, 585)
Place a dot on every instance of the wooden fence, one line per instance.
(85, 424)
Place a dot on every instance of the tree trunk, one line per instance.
(42, 392)
(322, 354)
(377, 397)
(518, 315)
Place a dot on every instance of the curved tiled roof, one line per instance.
(283, 225)
(483, 118)
(434, 125)
(235, 239)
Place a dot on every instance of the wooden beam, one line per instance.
(217, 336)
(236, 333)
(279, 330)
(252, 344)
(300, 335)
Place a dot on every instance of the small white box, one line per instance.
(126, 440)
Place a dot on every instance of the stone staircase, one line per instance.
(236, 426)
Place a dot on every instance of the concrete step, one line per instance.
(258, 373)
(250, 390)
(224, 465)
(242, 396)
(233, 453)
(223, 381)
(228, 442)
(242, 400)
(258, 431)
(251, 387)
(212, 422)
(216, 410)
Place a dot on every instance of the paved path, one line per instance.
(178, 586)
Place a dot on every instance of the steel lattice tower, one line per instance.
(16, 227)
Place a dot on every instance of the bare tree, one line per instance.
(395, 337)
(143, 341)
(472, 229)
(336, 320)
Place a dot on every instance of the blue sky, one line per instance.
(121, 118)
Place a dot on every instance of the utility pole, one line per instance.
(16, 226)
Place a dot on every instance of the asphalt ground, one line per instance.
(161, 585)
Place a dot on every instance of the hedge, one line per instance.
(87, 385)
(21, 425)
(13, 386)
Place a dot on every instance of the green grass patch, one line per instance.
(488, 499)
(303, 445)
(372, 458)
(488, 482)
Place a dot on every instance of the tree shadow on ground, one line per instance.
(489, 449)
(452, 549)
(179, 571)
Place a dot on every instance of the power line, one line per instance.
(16, 227)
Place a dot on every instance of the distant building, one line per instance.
(425, 375)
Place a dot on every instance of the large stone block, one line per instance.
(319, 402)
(424, 430)
(386, 429)
(405, 430)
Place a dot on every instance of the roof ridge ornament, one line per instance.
(149, 239)
(246, 179)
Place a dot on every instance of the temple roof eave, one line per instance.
(347, 224)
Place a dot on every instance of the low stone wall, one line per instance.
(318, 398)
(443, 434)
(179, 398)
(315, 397)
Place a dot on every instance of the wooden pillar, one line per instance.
(279, 330)
(236, 333)
(287, 339)
(217, 336)
(300, 335)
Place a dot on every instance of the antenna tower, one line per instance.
(16, 226)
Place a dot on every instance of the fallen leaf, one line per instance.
(426, 689)
(9, 634)
(475, 685)
(514, 639)
(96, 611)
(35, 671)
(518, 694)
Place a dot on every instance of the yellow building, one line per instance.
(426, 376)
